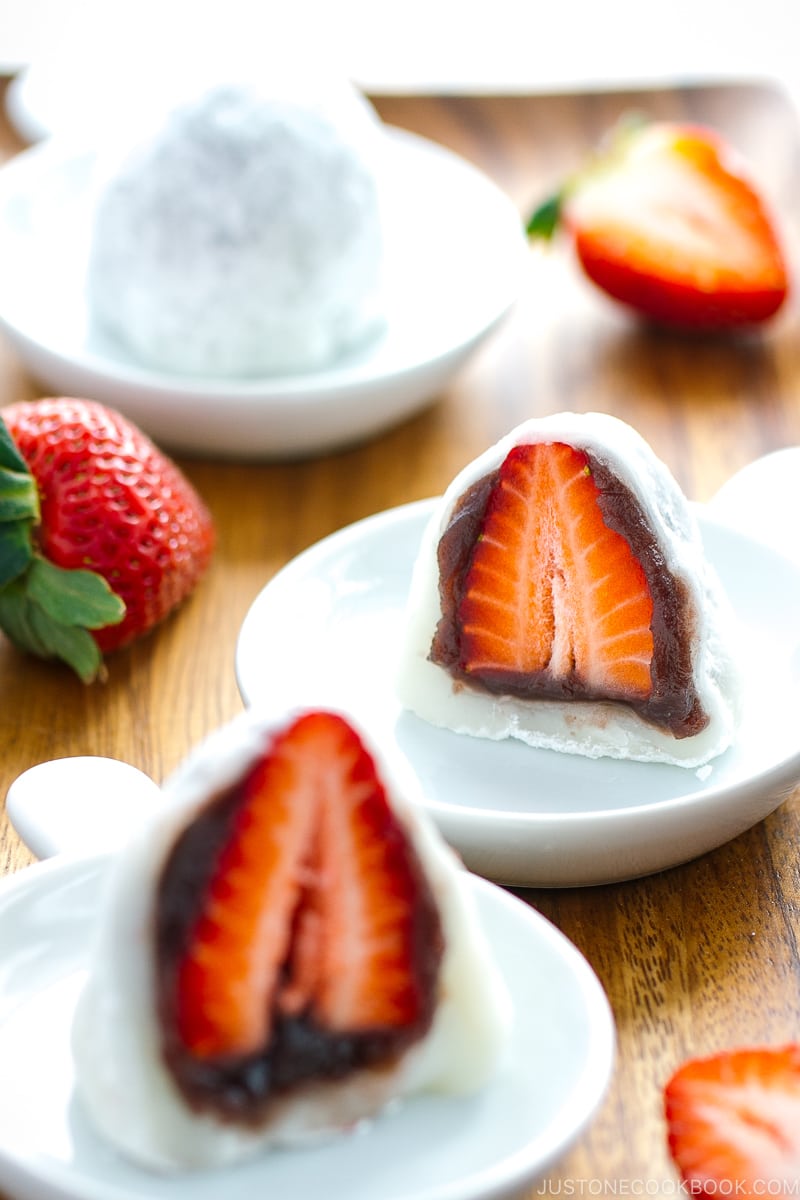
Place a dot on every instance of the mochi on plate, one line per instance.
(288, 950)
(239, 233)
(562, 596)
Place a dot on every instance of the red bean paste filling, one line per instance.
(673, 704)
(240, 1089)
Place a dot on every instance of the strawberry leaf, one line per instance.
(73, 645)
(15, 551)
(10, 457)
(15, 620)
(34, 631)
(544, 220)
(78, 598)
(19, 498)
(19, 509)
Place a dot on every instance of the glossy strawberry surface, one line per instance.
(110, 502)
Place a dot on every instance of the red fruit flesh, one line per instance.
(734, 1122)
(314, 910)
(364, 899)
(112, 503)
(554, 585)
(552, 590)
(672, 228)
(242, 936)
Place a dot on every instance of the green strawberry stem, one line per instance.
(546, 217)
(45, 610)
(544, 220)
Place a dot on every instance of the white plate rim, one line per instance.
(588, 1090)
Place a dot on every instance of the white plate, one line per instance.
(763, 499)
(325, 630)
(456, 252)
(433, 1148)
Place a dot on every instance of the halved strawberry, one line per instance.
(311, 936)
(734, 1122)
(552, 593)
(367, 898)
(229, 974)
(665, 220)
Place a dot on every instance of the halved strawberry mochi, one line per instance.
(286, 950)
(563, 579)
(296, 934)
(556, 587)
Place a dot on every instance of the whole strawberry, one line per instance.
(665, 220)
(99, 531)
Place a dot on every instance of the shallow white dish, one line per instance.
(325, 629)
(433, 1148)
(456, 252)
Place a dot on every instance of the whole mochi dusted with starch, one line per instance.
(240, 233)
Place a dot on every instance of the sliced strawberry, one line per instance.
(666, 221)
(314, 913)
(552, 593)
(734, 1122)
(228, 978)
(371, 881)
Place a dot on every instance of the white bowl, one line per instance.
(455, 256)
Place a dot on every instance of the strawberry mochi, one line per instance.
(288, 949)
(561, 595)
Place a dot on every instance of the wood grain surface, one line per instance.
(694, 959)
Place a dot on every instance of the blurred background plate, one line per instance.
(456, 254)
(80, 51)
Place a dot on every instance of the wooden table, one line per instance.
(693, 959)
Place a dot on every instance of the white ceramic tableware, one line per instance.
(78, 805)
(432, 1148)
(763, 500)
